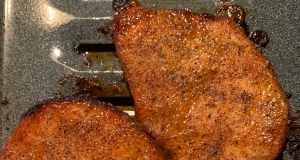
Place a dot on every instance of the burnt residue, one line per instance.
(96, 53)
(236, 12)
(4, 102)
(111, 93)
(116, 93)
(103, 30)
(288, 95)
(62, 80)
(294, 121)
(87, 62)
(99, 57)
(94, 87)
(260, 38)
(123, 79)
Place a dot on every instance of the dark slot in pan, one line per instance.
(118, 101)
(95, 47)
(124, 101)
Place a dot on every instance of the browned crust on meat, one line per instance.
(79, 129)
(200, 86)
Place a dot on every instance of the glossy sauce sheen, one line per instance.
(200, 86)
(80, 129)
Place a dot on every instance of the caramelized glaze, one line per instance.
(80, 129)
(200, 86)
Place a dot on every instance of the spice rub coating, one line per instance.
(80, 129)
(200, 86)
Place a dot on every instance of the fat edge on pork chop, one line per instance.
(80, 129)
(200, 86)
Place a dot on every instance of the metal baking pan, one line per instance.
(38, 59)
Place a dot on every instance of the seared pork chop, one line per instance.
(200, 86)
(80, 129)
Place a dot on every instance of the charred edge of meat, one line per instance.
(81, 98)
(119, 5)
(208, 16)
(280, 157)
(243, 25)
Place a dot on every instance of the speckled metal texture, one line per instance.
(37, 40)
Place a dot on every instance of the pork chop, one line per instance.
(200, 86)
(80, 129)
